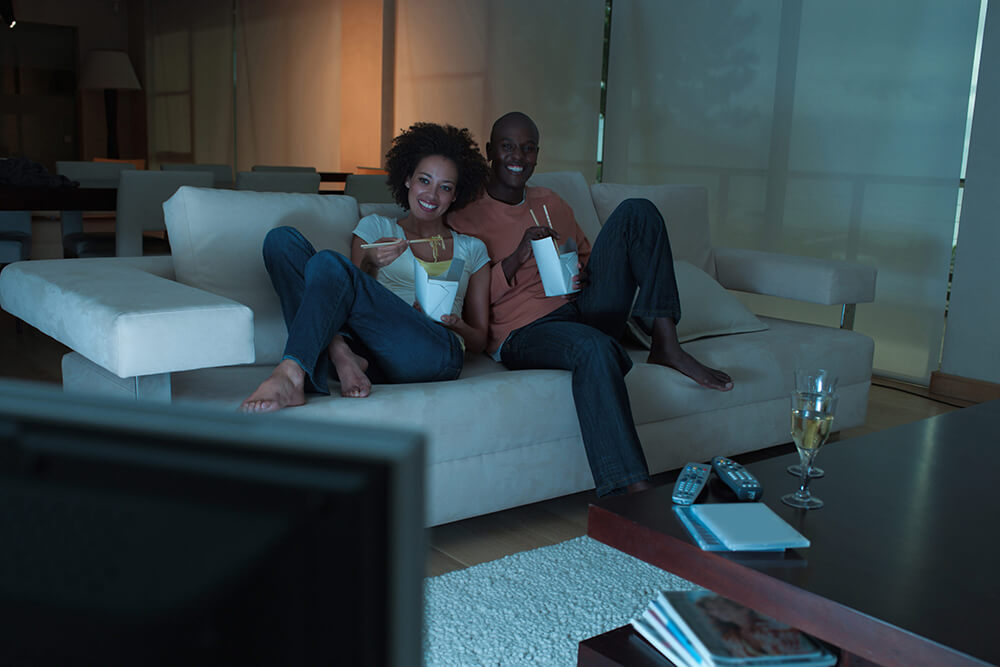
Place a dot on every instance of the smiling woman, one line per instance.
(358, 318)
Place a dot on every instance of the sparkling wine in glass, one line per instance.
(820, 381)
(812, 417)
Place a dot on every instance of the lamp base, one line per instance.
(111, 114)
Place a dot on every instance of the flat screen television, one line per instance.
(150, 534)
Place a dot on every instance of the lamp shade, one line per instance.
(108, 70)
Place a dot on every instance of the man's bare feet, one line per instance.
(694, 369)
(666, 350)
(636, 487)
(350, 369)
(285, 388)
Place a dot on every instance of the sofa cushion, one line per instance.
(684, 209)
(216, 238)
(707, 309)
(571, 186)
(761, 363)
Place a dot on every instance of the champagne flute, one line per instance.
(820, 381)
(812, 417)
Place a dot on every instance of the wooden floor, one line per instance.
(31, 355)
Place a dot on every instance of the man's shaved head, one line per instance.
(509, 119)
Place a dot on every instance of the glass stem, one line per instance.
(804, 475)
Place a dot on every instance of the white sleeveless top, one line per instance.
(398, 276)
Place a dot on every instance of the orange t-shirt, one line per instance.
(501, 227)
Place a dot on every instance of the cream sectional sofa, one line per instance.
(204, 325)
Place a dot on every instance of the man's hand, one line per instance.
(582, 278)
(523, 252)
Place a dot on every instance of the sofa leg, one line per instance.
(82, 375)
(847, 316)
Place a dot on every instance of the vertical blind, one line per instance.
(826, 129)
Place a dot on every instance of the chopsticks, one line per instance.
(384, 243)
(548, 220)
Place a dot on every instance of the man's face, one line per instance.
(513, 153)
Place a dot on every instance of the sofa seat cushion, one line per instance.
(459, 416)
(217, 235)
(684, 209)
(462, 416)
(762, 365)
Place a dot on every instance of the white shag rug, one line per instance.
(533, 608)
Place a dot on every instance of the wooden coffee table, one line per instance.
(902, 565)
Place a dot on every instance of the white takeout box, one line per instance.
(557, 269)
(436, 296)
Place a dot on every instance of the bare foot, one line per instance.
(636, 487)
(694, 369)
(285, 388)
(350, 369)
(666, 350)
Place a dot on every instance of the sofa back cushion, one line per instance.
(216, 238)
(571, 186)
(684, 209)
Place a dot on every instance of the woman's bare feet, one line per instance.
(350, 369)
(285, 388)
(665, 350)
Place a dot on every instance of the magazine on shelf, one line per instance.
(702, 629)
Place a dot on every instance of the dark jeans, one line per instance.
(323, 294)
(631, 251)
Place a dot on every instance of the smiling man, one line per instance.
(530, 330)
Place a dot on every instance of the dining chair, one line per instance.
(369, 188)
(140, 208)
(223, 173)
(273, 181)
(15, 236)
(76, 242)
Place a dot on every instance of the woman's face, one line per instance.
(432, 187)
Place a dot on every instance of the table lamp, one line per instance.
(109, 71)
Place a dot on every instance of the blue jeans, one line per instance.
(323, 294)
(632, 251)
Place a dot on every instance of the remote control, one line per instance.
(690, 482)
(736, 477)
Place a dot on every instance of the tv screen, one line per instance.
(143, 534)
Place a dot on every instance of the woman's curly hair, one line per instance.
(426, 139)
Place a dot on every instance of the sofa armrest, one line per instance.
(126, 319)
(823, 281)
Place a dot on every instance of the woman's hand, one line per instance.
(370, 260)
(384, 255)
(523, 252)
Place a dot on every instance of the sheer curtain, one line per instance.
(466, 63)
(287, 69)
(828, 129)
(288, 83)
(189, 49)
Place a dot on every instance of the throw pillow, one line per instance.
(707, 309)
